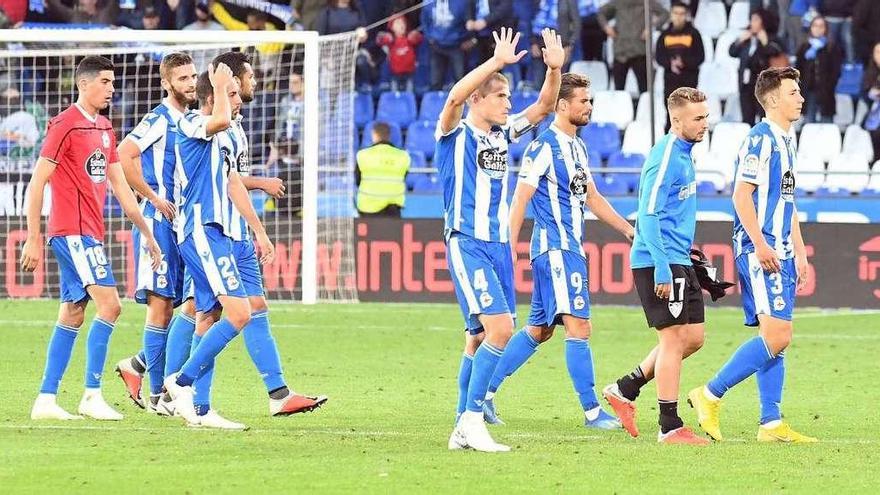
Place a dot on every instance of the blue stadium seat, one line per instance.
(432, 104)
(397, 106)
(706, 188)
(611, 186)
(519, 100)
(627, 160)
(603, 138)
(517, 149)
(850, 82)
(427, 183)
(594, 158)
(363, 109)
(396, 135)
(336, 182)
(417, 159)
(420, 137)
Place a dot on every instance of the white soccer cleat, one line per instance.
(45, 407)
(182, 399)
(94, 406)
(475, 435)
(213, 420)
(164, 407)
(456, 440)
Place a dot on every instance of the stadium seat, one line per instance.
(732, 110)
(715, 168)
(594, 159)
(727, 138)
(643, 111)
(659, 81)
(631, 85)
(739, 15)
(397, 106)
(854, 176)
(857, 141)
(715, 112)
(627, 160)
(417, 159)
(363, 109)
(844, 112)
(850, 82)
(517, 149)
(718, 79)
(820, 140)
(708, 49)
(701, 150)
(427, 183)
(420, 137)
(722, 49)
(874, 181)
(711, 18)
(861, 111)
(806, 180)
(597, 72)
(602, 138)
(611, 186)
(519, 100)
(432, 104)
(396, 135)
(637, 138)
(706, 188)
(613, 107)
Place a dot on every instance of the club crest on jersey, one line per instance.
(493, 162)
(105, 139)
(486, 299)
(779, 303)
(787, 186)
(579, 302)
(578, 184)
(675, 308)
(96, 166)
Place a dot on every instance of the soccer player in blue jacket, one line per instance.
(770, 257)
(662, 269)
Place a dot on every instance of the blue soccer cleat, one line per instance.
(489, 413)
(604, 421)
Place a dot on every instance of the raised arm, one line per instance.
(238, 195)
(221, 115)
(33, 246)
(606, 213)
(505, 53)
(554, 58)
(129, 158)
(129, 205)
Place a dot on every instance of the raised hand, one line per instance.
(220, 76)
(553, 51)
(505, 46)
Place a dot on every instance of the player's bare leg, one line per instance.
(70, 319)
(107, 312)
(668, 376)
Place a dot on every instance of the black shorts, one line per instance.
(685, 304)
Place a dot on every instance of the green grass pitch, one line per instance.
(390, 372)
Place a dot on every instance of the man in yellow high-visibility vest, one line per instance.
(380, 175)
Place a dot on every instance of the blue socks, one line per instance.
(154, 356)
(96, 351)
(202, 384)
(519, 349)
(770, 379)
(264, 353)
(579, 359)
(177, 348)
(464, 378)
(485, 360)
(749, 358)
(212, 344)
(57, 357)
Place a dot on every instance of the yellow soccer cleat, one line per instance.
(783, 433)
(708, 412)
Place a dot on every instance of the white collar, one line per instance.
(91, 118)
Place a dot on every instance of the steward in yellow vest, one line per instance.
(381, 173)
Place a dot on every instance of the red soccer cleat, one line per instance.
(683, 435)
(295, 403)
(624, 408)
(133, 381)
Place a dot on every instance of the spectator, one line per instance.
(18, 128)
(183, 12)
(380, 175)
(838, 14)
(288, 130)
(561, 15)
(444, 26)
(342, 16)
(629, 36)
(799, 13)
(866, 28)
(680, 52)
(402, 44)
(819, 59)
(203, 20)
(85, 12)
(307, 10)
(871, 93)
(775, 9)
(489, 15)
(755, 48)
(150, 18)
(592, 35)
(15, 11)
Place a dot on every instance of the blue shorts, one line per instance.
(766, 293)
(560, 288)
(168, 280)
(248, 267)
(209, 258)
(81, 263)
(482, 273)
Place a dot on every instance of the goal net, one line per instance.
(299, 126)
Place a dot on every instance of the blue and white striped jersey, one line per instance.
(667, 215)
(155, 136)
(203, 173)
(473, 166)
(241, 162)
(766, 159)
(556, 165)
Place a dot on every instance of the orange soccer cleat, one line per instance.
(624, 408)
(683, 435)
(133, 381)
(295, 403)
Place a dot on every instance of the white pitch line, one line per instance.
(359, 433)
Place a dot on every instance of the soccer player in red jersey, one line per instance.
(77, 159)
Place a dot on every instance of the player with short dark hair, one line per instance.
(771, 259)
(77, 159)
(555, 178)
(149, 159)
(473, 161)
(663, 272)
